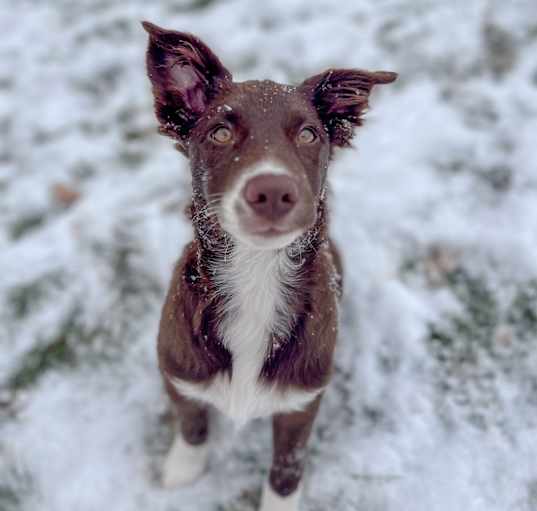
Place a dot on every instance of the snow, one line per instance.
(433, 403)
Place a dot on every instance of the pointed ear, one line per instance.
(186, 75)
(341, 98)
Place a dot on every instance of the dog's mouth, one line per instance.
(254, 225)
(270, 231)
(260, 236)
(257, 232)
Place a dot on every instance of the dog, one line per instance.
(250, 321)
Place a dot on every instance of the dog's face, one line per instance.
(259, 150)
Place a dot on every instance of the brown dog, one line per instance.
(250, 321)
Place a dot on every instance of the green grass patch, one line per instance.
(25, 225)
(59, 352)
(15, 485)
(39, 360)
(23, 299)
(476, 324)
(194, 5)
(522, 314)
(484, 346)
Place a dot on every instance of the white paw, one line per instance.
(184, 463)
(271, 501)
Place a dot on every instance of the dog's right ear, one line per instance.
(186, 75)
(341, 97)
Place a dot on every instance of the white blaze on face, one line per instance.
(229, 218)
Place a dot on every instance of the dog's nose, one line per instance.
(271, 196)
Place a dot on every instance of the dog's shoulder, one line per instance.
(304, 358)
(187, 345)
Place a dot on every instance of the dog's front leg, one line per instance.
(290, 436)
(187, 458)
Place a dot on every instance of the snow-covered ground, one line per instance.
(434, 405)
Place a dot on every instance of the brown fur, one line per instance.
(194, 94)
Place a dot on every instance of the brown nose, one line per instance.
(271, 196)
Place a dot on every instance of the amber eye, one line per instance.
(306, 136)
(221, 135)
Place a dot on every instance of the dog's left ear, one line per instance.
(341, 98)
(185, 75)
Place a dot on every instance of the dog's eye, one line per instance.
(306, 136)
(221, 135)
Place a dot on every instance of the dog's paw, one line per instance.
(271, 501)
(184, 463)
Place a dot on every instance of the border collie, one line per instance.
(250, 321)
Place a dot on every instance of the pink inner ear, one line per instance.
(189, 85)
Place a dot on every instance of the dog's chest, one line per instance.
(255, 283)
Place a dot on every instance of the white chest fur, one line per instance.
(255, 282)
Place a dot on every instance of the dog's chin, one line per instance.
(269, 239)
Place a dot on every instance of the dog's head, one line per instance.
(259, 150)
